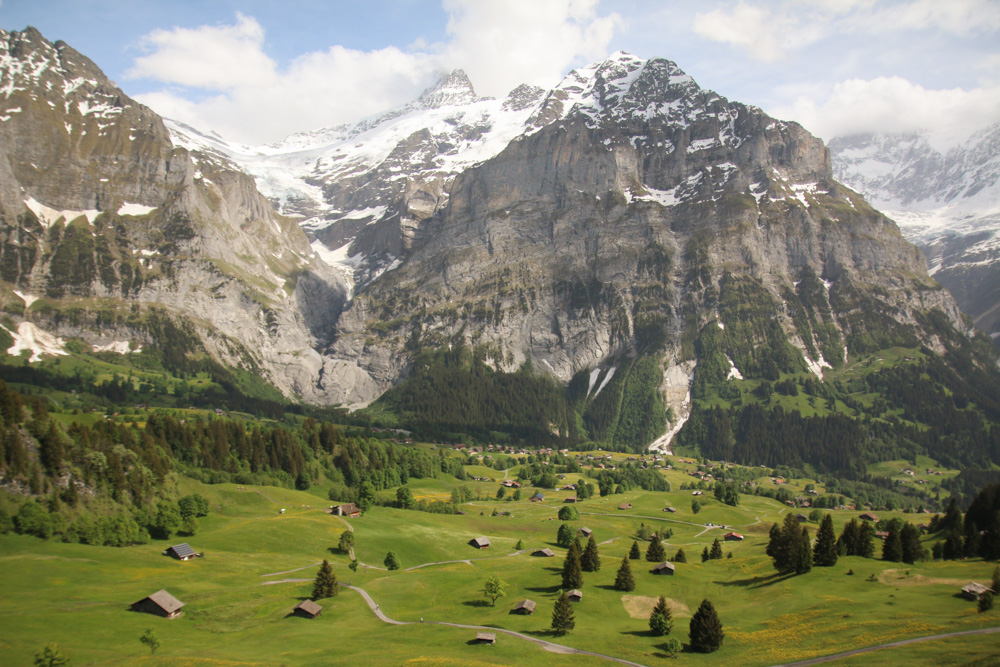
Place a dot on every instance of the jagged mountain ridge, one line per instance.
(945, 201)
(625, 214)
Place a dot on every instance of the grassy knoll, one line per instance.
(78, 596)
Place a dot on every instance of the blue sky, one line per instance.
(256, 71)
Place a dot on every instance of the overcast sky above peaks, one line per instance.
(258, 70)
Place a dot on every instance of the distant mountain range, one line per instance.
(947, 202)
(633, 239)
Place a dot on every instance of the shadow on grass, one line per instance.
(543, 633)
(477, 603)
(757, 582)
(544, 589)
(638, 633)
(605, 587)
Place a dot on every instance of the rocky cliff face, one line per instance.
(945, 201)
(98, 207)
(634, 210)
(625, 215)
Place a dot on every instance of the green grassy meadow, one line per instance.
(78, 596)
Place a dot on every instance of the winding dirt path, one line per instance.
(547, 645)
(904, 642)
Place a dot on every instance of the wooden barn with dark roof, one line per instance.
(181, 551)
(480, 542)
(160, 603)
(308, 609)
(525, 607)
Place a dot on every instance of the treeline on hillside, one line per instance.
(455, 391)
(118, 472)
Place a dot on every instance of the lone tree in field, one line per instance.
(680, 556)
(716, 552)
(565, 535)
(567, 513)
(704, 555)
(325, 585)
(50, 656)
(562, 615)
(655, 552)
(590, 561)
(391, 561)
(150, 639)
(825, 551)
(495, 588)
(633, 553)
(661, 621)
(572, 574)
(624, 581)
(346, 541)
(706, 629)
(520, 543)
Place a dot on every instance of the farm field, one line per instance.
(78, 596)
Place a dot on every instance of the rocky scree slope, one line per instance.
(98, 209)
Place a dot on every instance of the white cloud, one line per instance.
(893, 104)
(213, 57)
(765, 35)
(958, 17)
(500, 44)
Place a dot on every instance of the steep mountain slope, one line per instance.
(99, 209)
(946, 202)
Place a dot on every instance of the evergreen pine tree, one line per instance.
(680, 556)
(520, 543)
(661, 621)
(716, 552)
(805, 559)
(953, 546)
(704, 555)
(825, 551)
(705, 629)
(996, 580)
(774, 539)
(849, 538)
(562, 615)
(655, 552)
(564, 536)
(865, 546)
(325, 585)
(572, 575)
(624, 580)
(391, 561)
(892, 548)
(590, 561)
(910, 538)
(985, 602)
(633, 553)
(970, 545)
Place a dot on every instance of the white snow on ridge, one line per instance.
(27, 298)
(593, 378)
(135, 209)
(49, 216)
(734, 373)
(116, 346)
(816, 367)
(37, 341)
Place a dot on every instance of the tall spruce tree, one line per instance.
(633, 553)
(590, 561)
(773, 541)
(325, 585)
(564, 536)
(661, 621)
(805, 561)
(865, 546)
(680, 556)
(624, 581)
(825, 551)
(704, 555)
(892, 548)
(572, 574)
(562, 615)
(910, 539)
(716, 551)
(849, 538)
(705, 630)
(655, 552)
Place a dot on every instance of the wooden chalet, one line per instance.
(347, 509)
(307, 609)
(672, 510)
(869, 516)
(570, 499)
(544, 553)
(625, 506)
(510, 484)
(733, 537)
(882, 534)
(160, 603)
(973, 590)
(575, 595)
(525, 607)
(181, 552)
(663, 568)
(486, 638)
(801, 518)
(480, 542)
(586, 531)
(537, 498)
